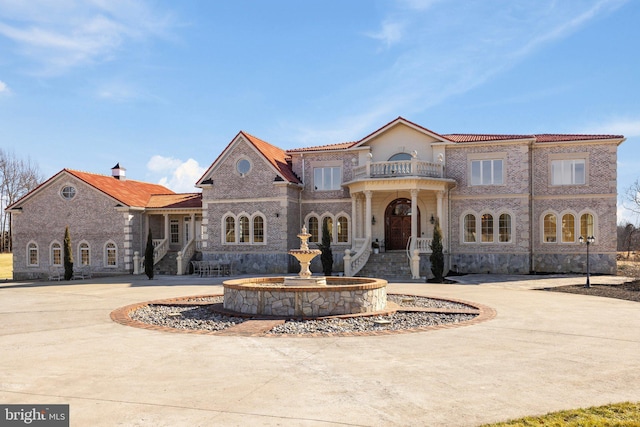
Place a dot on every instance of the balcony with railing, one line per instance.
(399, 168)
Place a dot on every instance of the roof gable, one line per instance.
(399, 121)
(276, 157)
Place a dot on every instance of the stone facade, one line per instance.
(92, 219)
(256, 198)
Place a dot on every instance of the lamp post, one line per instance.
(588, 241)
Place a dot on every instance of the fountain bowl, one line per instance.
(269, 296)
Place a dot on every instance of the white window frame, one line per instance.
(562, 169)
(51, 254)
(33, 245)
(321, 174)
(482, 164)
(106, 254)
(479, 235)
(236, 230)
(80, 250)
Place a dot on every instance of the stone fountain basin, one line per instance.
(269, 296)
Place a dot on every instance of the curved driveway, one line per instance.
(544, 351)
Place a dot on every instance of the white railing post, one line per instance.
(347, 263)
(136, 262)
(179, 262)
(415, 264)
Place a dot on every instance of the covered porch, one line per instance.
(395, 213)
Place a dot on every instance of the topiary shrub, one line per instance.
(326, 257)
(148, 257)
(68, 255)
(437, 255)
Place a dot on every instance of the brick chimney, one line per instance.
(118, 172)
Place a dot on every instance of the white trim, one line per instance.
(106, 254)
(79, 252)
(51, 257)
(37, 248)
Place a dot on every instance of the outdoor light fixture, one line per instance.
(589, 240)
(373, 220)
(432, 220)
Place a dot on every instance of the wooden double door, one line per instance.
(397, 224)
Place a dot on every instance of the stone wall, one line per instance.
(305, 302)
(91, 216)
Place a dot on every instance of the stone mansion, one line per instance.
(505, 203)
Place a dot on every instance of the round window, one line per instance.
(243, 166)
(68, 192)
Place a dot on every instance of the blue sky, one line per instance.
(162, 86)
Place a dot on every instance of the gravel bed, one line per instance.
(398, 321)
(202, 318)
(184, 317)
(415, 301)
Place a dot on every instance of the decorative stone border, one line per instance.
(259, 327)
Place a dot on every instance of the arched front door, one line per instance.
(397, 224)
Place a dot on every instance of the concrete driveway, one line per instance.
(543, 352)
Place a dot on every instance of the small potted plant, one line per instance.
(375, 246)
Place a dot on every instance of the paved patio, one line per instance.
(544, 351)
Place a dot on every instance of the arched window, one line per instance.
(568, 228)
(243, 229)
(56, 254)
(327, 222)
(504, 228)
(343, 229)
(32, 254)
(83, 250)
(230, 229)
(399, 157)
(469, 228)
(258, 229)
(550, 230)
(111, 254)
(312, 229)
(586, 225)
(487, 228)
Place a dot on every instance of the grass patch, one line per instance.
(625, 414)
(6, 266)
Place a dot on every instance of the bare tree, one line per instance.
(632, 197)
(17, 178)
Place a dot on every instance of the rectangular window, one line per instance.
(258, 229)
(325, 179)
(487, 172)
(568, 172)
(56, 254)
(504, 228)
(174, 230)
(84, 254)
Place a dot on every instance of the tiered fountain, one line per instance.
(304, 295)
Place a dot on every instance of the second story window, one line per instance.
(568, 172)
(487, 172)
(327, 178)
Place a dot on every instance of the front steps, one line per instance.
(391, 266)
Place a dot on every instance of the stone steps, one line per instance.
(392, 266)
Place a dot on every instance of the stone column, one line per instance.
(354, 210)
(367, 214)
(414, 219)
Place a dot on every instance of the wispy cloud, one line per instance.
(627, 126)
(64, 34)
(3, 87)
(180, 176)
(390, 33)
(445, 49)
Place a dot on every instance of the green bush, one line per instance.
(68, 255)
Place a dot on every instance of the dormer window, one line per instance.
(68, 192)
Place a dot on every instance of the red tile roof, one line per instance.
(274, 155)
(459, 137)
(175, 201)
(545, 137)
(128, 192)
(328, 147)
